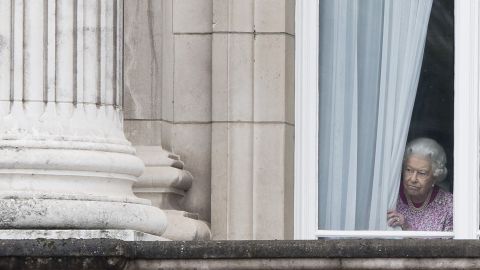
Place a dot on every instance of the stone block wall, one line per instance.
(213, 82)
(167, 81)
(253, 126)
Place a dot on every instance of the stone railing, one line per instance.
(322, 254)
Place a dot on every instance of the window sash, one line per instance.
(466, 127)
(306, 120)
(382, 234)
(466, 120)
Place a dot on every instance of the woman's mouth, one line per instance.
(413, 187)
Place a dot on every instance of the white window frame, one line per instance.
(466, 127)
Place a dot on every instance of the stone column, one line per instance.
(150, 105)
(64, 159)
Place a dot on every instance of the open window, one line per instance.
(374, 87)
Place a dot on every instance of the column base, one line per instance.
(48, 214)
(124, 235)
(184, 226)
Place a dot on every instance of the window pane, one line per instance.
(371, 78)
(433, 111)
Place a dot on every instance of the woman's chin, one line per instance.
(412, 191)
(415, 193)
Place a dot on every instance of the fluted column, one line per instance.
(64, 159)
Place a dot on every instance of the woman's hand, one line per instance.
(395, 219)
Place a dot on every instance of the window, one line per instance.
(466, 127)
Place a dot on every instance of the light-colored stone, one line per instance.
(252, 134)
(275, 16)
(269, 181)
(168, 63)
(144, 132)
(192, 16)
(252, 181)
(124, 235)
(76, 212)
(289, 170)
(220, 79)
(143, 56)
(241, 186)
(163, 182)
(5, 48)
(234, 178)
(183, 226)
(270, 79)
(167, 135)
(232, 75)
(290, 16)
(64, 159)
(310, 263)
(290, 80)
(220, 181)
(233, 16)
(193, 143)
(193, 78)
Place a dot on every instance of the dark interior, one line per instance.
(433, 111)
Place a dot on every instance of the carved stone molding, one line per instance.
(165, 182)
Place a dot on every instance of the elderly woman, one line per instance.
(422, 205)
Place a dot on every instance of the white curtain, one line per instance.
(370, 59)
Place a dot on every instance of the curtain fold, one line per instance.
(370, 58)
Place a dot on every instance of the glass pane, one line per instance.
(385, 78)
(433, 111)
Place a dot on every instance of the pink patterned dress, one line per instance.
(436, 216)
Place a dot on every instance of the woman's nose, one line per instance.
(413, 176)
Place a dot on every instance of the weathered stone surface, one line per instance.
(320, 254)
(125, 235)
(275, 16)
(64, 158)
(232, 77)
(192, 16)
(165, 182)
(314, 264)
(183, 226)
(144, 132)
(233, 15)
(232, 181)
(253, 117)
(193, 143)
(193, 78)
(143, 56)
(271, 89)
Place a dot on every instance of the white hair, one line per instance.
(430, 150)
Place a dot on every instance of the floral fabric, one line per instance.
(436, 216)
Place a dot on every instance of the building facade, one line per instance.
(212, 82)
(200, 92)
(189, 120)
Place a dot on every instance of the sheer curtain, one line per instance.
(370, 58)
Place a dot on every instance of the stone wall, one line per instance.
(212, 81)
(168, 85)
(253, 113)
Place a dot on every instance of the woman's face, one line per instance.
(418, 177)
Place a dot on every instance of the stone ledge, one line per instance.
(309, 249)
(241, 249)
(322, 254)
